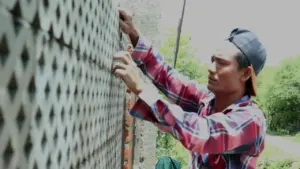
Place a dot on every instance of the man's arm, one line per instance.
(217, 133)
(179, 89)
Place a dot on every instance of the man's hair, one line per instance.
(243, 62)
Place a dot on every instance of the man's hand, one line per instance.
(126, 69)
(127, 26)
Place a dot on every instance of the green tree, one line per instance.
(187, 62)
(282, 98)
(264, 81)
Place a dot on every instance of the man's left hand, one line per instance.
(127, 70)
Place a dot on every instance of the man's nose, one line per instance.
(212, 67)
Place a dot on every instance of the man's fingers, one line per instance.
(122, 24)
(119, 66)
(130, 48)
(125, 28)
(123, 56)
(120, 73)
(128, 55)
(124, 14)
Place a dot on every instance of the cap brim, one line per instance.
(253, 89)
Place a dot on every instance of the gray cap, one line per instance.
(250, 46)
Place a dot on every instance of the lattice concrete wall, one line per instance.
(60, 106)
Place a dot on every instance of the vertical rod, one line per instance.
(179, 34)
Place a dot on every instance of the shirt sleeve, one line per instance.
(178, 88)
(217, 133)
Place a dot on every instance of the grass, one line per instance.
(274, 157)
(295, 138)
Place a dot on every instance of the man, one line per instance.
(220, 125)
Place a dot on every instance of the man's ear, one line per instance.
(246, 74)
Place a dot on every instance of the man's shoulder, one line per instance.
(252, 109)
(248, 106)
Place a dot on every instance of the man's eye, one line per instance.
(221, 62)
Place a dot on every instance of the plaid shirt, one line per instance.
(232, 139)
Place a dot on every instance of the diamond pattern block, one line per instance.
(60, 105)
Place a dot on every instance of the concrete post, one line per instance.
(147, 15)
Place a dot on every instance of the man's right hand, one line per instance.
(127, 26)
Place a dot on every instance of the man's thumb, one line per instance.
(130, 48)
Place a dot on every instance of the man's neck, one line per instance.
(222, 101)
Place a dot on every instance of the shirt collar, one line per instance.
(245, 98)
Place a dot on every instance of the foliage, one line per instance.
(187, 63)
(282, 98)
(264, 80)
(164, 144)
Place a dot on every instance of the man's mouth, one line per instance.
(211, 79)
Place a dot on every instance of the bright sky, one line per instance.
(277, 24)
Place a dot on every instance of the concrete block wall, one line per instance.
(60, 105)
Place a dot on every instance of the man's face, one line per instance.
(224, 76)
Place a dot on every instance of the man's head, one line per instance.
(236, 63)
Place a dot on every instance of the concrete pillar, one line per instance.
(147, 15)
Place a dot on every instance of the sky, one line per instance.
(277, 24)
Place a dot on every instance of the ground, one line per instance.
(282, 152)
(288, 144)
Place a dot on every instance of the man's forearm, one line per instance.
(165, 78)
(217, 133)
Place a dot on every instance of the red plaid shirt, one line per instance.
(232, 139)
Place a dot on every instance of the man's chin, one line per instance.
(210, 87)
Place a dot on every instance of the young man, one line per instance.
(220, 125)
